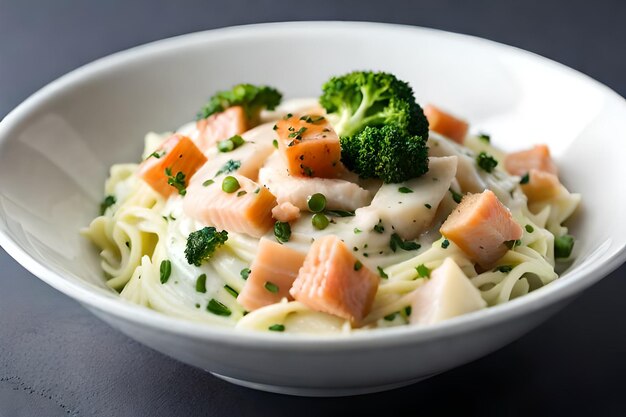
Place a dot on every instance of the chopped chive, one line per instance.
(525, 179)
(242, 192)
(277, 328)
(218, 308)
(320, 221)
(282, 231)
(529, 228)
(445, 243)
(245, 273)
(456, 196)
(396, 242)
(230, 184)
(423, 271)
(275, 127)
(484, 137)
(156, 154)
(408, 310)
(405, 190)
(257, 190)
(357, 230)
(207, 183)
(271, 287)
(428, 206)
(201, 283)
(165, 270)
(563, 246)
(275, 143)
(382, 273)
(340, 213)
(317, 202)
(231, 290)
(379, 228)
(504, 268)
(358, 265)
(106, 203)
(390, 317)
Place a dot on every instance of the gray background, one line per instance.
(56, 359)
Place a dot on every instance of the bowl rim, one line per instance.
(561, 289)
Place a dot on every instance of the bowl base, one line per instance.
(318, 392)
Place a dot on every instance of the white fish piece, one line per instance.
(448, 293)
(408, 208)
(340, 194)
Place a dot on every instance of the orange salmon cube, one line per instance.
(219, 126)
(480, 226)
(272, 273)
(309, 146)
(446, 124)
(332, 280)
(177, 154)
(541, 186)
(247, 210)
(520, 163)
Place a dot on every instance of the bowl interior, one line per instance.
(56, 148)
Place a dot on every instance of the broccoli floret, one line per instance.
(202, 243)
(251, 97)
(382, 130)
(386, 152)
(365, 98)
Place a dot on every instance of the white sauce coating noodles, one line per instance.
(142, 230)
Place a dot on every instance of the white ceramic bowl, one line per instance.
(56, 147)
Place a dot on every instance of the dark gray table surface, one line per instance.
(57, 359)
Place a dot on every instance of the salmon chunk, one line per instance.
(520, 163)
(309, 146)
(446, 124)
(178, 154)
(333, 281)
(219, 126)
(246, 210)
(272, 273)
(286, 212)
(480, 226)
(541, 186)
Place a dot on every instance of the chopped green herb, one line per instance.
(271, 287)
(529, 228)
(456, 196)
(310, 119)
(340, 213)
(405, 190)
(229, 167)
(390, 317)
(445, 243)
(317, 202)
(563, 246)
(156, 154)
(320, 221)
(382, 273)
(407, 311)
(525, 179)
(231, 290)
(396, 242)
(230, 184)
(422, 271)
(428, 206)
(277, 328)
(245, 273)
(257, 190)
(484, 137)
(358, 265)
(287, 116)
(165, 270)
(218, 308)
(306, 170)
(282, 231)
(242, 192)
(177, 181)
(379, 228)
(357, 230)
(207, 183)
(106, 203)
(275, 143)
(275, 127)
(504, 268)
(486, 162)
(202, 243)
(297, 135)
(201, 283)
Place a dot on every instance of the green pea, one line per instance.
(317, 203)
(320, 222)
(230, 184)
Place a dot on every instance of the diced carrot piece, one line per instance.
(446, 124)
(333, 281)
(272, 273)
(309, 146)
(286, 212)
(177, 154)
(541, 186)
(480, 226)
(247, 210)
(232, 121)
(520, 163)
